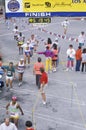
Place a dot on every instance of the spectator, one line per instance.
(36, 71)
(7, 125)
(83, 60)
(48, 54)
(29, 126)
(70, 57)
(78, 58)
(54, 58)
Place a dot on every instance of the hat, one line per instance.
(14, 98)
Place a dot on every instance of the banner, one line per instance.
(54, 7)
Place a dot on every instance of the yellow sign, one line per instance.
(39, 20)
(54, 5)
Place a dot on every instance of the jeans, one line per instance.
(38, 80)
(78, 63)
(82, 69)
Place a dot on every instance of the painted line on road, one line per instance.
(25, 91)
(60, 121)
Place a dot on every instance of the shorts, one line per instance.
(81, 44)
(9, 77)
(54, 60)
(42, 89)
(20, 72)
(27, 54)
(65, 27)
(14, 116)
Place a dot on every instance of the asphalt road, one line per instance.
(66, 91)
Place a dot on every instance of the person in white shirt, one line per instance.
(81, 39)
(20, 69)
(33, 42)
(7, 125)
(83, 60)
(70, 57)
(65, 24)
(16, 32)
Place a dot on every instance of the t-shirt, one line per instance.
(84, 57)
(10, 71)
(29, 128)
(37, 67)
(55, 52)
(10, 127)
(44, 78)
(78, 54)
(81, 38)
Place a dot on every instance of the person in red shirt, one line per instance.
(28, 125)
(43, 83)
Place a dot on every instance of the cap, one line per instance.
(14, 98)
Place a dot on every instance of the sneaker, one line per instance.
(54, 70)
(8, 89)
(67, 69)
(72, 68)
(20, 83)
(28, 65)
(11, 89)
(44, 102)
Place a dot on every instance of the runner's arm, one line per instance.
(20, 109)
(7, 106)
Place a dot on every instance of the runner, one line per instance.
(13, 109)
(20, 42)
(1, 74)
(10, 75)
(81, 39)
(31, 47)
(7, 125)
(43, 83)
(16, 32)
(29, 125)
(20, 69)
(27, 54)
(36, 71)
(33, 42)
(65, 25)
